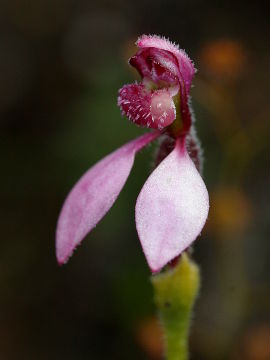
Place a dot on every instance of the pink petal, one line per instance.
(186, 66)
(171, 209)
(154, 109)
(93, 195)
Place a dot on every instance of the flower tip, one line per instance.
(60, 262)
(151, 40)
(155, 270)
(156, 264)
(63, 253)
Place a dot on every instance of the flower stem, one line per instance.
(175, 292)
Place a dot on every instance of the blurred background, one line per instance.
(61, 65)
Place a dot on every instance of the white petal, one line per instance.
(171, 208)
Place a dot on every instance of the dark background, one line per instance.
(61, 65)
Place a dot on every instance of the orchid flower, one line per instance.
(173, 204)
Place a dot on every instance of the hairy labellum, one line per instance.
(147, 108)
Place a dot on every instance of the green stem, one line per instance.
(175, 292)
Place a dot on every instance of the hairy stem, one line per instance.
(175, 292)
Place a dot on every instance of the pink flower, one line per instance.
(173, 204)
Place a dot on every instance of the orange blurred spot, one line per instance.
(255, 344)
(224, 58)
(149, 336)
(230, 211)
